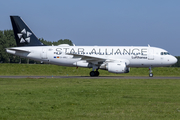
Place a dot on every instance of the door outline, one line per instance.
(150, 54)
(44, 53)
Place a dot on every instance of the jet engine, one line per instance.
(117, 67)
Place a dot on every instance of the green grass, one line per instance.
(47, 69)
(94, 99)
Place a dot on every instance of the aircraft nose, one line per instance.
(173, 60)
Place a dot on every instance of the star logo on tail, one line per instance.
(22, 39)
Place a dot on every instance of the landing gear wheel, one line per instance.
(150, 74)
(94, 73)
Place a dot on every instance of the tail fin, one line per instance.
(24, 36)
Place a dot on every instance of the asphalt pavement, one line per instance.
(100, 77)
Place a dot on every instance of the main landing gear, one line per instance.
(150, 72)
(94, 73)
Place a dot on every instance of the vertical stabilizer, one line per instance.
(23, 35)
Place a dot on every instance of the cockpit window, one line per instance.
(165, 53)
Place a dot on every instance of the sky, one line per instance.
(100, 22)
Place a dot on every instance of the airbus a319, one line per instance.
(115, 59)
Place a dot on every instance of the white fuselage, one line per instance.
(81, 56)
(115, 59)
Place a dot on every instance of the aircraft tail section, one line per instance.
(23, 35)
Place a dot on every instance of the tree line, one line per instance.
(7, 39)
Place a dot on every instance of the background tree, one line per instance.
(61, 41)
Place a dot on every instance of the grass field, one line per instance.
(99, 99)
(95, 99)
(47, 69)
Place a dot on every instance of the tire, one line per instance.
(92, 74)
(96, 73)
(150, 74)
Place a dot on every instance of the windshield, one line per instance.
(165, 53)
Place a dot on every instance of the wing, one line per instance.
(96, 60)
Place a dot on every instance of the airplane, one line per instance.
(114, 59)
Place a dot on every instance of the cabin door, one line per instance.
(150, 54)
(44, 53)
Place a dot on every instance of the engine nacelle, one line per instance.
(117, 67)
(82, 64)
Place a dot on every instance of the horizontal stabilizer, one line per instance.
(17, 49)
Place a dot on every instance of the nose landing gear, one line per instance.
(150, 72)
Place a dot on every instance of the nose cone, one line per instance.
(173, 60)
(169, 60)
